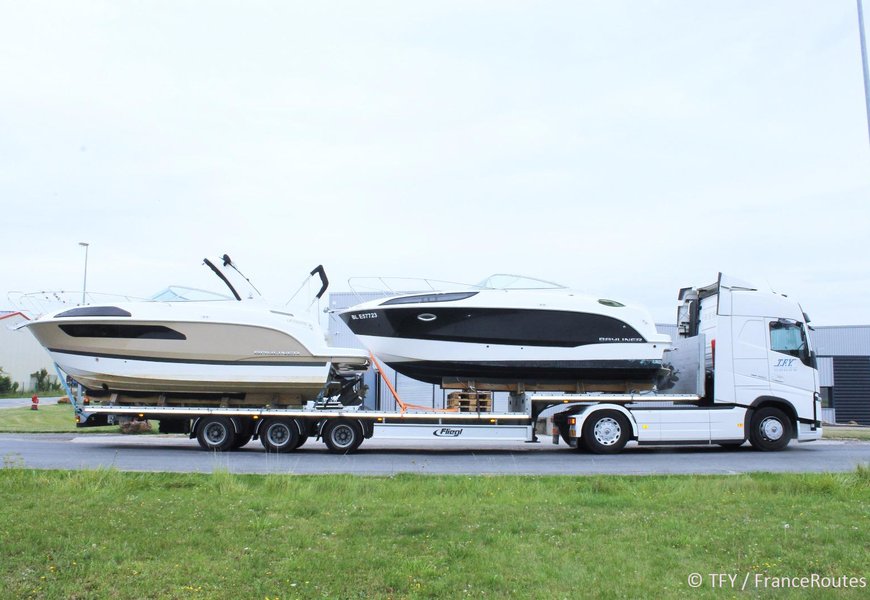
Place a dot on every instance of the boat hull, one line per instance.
(433, 343)
(112, 373)
(204, 348)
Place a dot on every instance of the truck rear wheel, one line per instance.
(216, 434)
(771, 429)
(279, 435)
(342, 436)
(605, 432)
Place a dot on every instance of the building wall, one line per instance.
(20, 353)
(851, 393)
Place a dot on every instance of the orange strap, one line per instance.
(402, 405)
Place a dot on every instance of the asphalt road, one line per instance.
(179, 454)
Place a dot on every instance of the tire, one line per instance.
(606, 432)
(279, 435)
(215, 434)
(343, 436)
(244, 433)
(241, 440)
(771, 429)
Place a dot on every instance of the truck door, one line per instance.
(751, 359)
(792, 373)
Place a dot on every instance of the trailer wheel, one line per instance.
(343, 436)
(244, 434)
(279, 435)
(606, 432)
(770, 430)
(216, 434)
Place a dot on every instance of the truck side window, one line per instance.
(788, 337)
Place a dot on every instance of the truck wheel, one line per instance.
(770, 430)
(244, 434)
(279, 435)
(343, 436)
(215, 434)
(606, 432)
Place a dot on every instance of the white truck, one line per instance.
(740, 369)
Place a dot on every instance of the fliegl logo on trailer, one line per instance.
(447, 432)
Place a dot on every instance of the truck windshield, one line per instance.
(789, 337)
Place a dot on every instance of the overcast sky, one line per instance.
(625, 148)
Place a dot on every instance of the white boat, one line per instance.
(510, 329)
(233, 347)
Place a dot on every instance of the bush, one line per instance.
(7, 386)
(44, 383)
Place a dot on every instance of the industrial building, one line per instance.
(20, 353)
(843, 359)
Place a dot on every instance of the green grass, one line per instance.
(95, 534)
(846, 433)
(50, 418)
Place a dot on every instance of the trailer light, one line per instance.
(492, 421)
(572, 421)
(644, 426)
(78, 419)
(565, 401)
(380, 419)
(141, 415)
(255, 417)
(740, 425)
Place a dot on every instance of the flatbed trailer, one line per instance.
(741, 369)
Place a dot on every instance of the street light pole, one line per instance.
(85, 284)
(864, 61)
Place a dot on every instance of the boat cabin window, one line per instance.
(94, 311)
(123, 331)
(430, 298)
(789, 337)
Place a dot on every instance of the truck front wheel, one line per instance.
(606, 432)
(216, 434)
(770, 430)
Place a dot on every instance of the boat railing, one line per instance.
(36, 304)
(364, 287)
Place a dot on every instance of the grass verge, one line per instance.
(94, 534)
(50, 418)
(846, 433)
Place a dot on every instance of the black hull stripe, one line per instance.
(530, 371)
(234, 363)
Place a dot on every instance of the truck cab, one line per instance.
(741, 368)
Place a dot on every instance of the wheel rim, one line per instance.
(278, 434)
(216, 434)
(342, 436)
(771, 429)
(607, 431)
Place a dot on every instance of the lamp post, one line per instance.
(85, 284)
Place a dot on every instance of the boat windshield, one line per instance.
(177, 293)
(503, 281)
